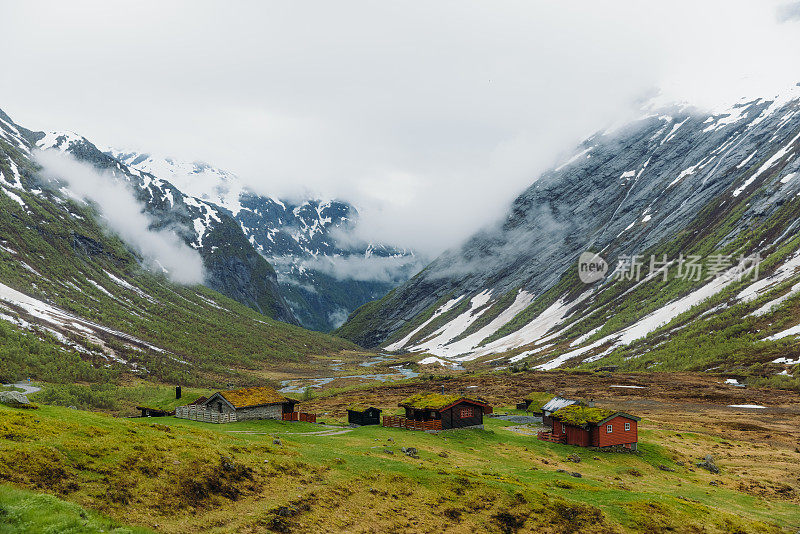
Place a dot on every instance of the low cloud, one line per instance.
(430, 116)
(338, 317)
(162, 250)
(393, 269)
(789, 12)
(500, 245)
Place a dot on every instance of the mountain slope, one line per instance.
(233, 267)
(325, 272)
(77, 304)
(677, 182)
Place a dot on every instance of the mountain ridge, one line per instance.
(77, 304)
(324, 273)
(677, 181)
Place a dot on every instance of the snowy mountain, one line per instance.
(79, 304)
(678, 184)
(324, 272)
(232, 265)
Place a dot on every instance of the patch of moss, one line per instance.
(581, 415)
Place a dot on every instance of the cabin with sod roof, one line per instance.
(434, 411)
(239, 405)
(592, 427)
(363, 415)
(553, 405)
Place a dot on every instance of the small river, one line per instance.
(298, 385)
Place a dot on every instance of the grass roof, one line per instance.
(581, 415)
(434, 401)
(242, 398)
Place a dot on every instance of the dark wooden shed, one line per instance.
(362, 415)
(148, 411)
(452, 411)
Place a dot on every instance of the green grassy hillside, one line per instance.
(54, 251)
(177, 476)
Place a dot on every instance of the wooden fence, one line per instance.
(300, 416)
(198, 413)
(409, 424)
(552, 438)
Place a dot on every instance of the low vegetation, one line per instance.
(174, 475)
(26, 512)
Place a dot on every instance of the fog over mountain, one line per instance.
(441, 130)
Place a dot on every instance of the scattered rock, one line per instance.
(561, 470)
(680, 463)
(714, 483)
(410, 452)
(443, 454)
(666, 468)
(708, 464)
(277, 441)
(388, 451)
(595, 457)
(577, 475)
(227, 463)
(574, 458)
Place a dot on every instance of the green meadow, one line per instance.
(173, 475)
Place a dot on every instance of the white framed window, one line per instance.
(627, 426)
(563, 428)
(609, 429)
(466, 412)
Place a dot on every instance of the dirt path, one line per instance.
(25, 386)
(329, 431)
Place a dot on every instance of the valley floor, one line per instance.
(172, 475)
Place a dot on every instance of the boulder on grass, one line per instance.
(15, 399)
(708, 464)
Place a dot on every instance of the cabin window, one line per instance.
(563, 428)
(219, 407)
(609, 428)
(466, 413)
(627, 426)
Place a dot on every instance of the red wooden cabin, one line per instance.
(593, 427)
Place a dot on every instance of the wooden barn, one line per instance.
(592, 427)
(361, 415)
(239, 405)
(440, 412)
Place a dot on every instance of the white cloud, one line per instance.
(430, 116)
(161, 249)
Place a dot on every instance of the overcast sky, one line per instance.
(431, 116)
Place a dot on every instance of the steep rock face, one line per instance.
(676, 181)
(233, 267)
(324, 271)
